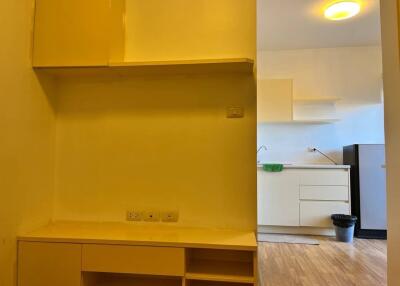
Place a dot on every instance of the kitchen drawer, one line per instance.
(167, 261)
(326, 177)
(324, 193)
(318, 214)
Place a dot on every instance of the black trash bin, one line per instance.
(344, 226)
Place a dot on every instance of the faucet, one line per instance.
(262, 147)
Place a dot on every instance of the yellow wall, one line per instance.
(157, 143)
(391, 75)
(26, 136)
(164, 142)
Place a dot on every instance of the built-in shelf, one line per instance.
(316, 100)
(315, 110)
(223, 271)
(220, 266)
(306, 121)
(212, 283)
(121, 254)
(235, 65)
(316, 121)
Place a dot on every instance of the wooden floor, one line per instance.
(331, 263)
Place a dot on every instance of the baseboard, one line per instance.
(371, 234)
(296, 230)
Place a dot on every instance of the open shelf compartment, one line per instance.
(220, 266)
(212, 283)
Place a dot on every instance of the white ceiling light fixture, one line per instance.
(342, 10)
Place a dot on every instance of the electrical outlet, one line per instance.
(170, 216)
(151, 216)
(235, 112)
(134, 216)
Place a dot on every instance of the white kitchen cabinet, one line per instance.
(324, 177)
(324, 193)
(280, 187)
(318, 214)
(276, 104)
(303, 197)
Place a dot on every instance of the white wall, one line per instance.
(354, 74)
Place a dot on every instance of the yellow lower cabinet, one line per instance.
(49, 264)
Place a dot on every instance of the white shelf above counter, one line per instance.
(316, 99)
(306, 121)
(308, 166)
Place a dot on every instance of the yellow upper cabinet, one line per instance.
(116, 32)
(71, 33)
(159, 30)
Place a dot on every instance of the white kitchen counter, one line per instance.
(309, 166)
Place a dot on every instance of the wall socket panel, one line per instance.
(151, 216)
(169, 216)
(134, 216)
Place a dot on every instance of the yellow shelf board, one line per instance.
(200, 66)
(222, 271)
(185, 62)
(143, 234)
(317, 121)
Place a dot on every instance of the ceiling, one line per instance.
(300, 24)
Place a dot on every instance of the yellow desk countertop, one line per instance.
(148, 235)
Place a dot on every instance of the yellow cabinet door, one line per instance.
(71, 33)
(49, 264)
(274, 100)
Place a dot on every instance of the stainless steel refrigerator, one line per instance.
(368, 188)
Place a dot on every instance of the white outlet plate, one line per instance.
(151, 216)
(169, 216)
(134, 216)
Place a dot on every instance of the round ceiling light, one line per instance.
(342, 10)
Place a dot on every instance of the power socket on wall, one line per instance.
(235, 112)
(311, 149)
(152, 216)
(134, 216)
(169, 216)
